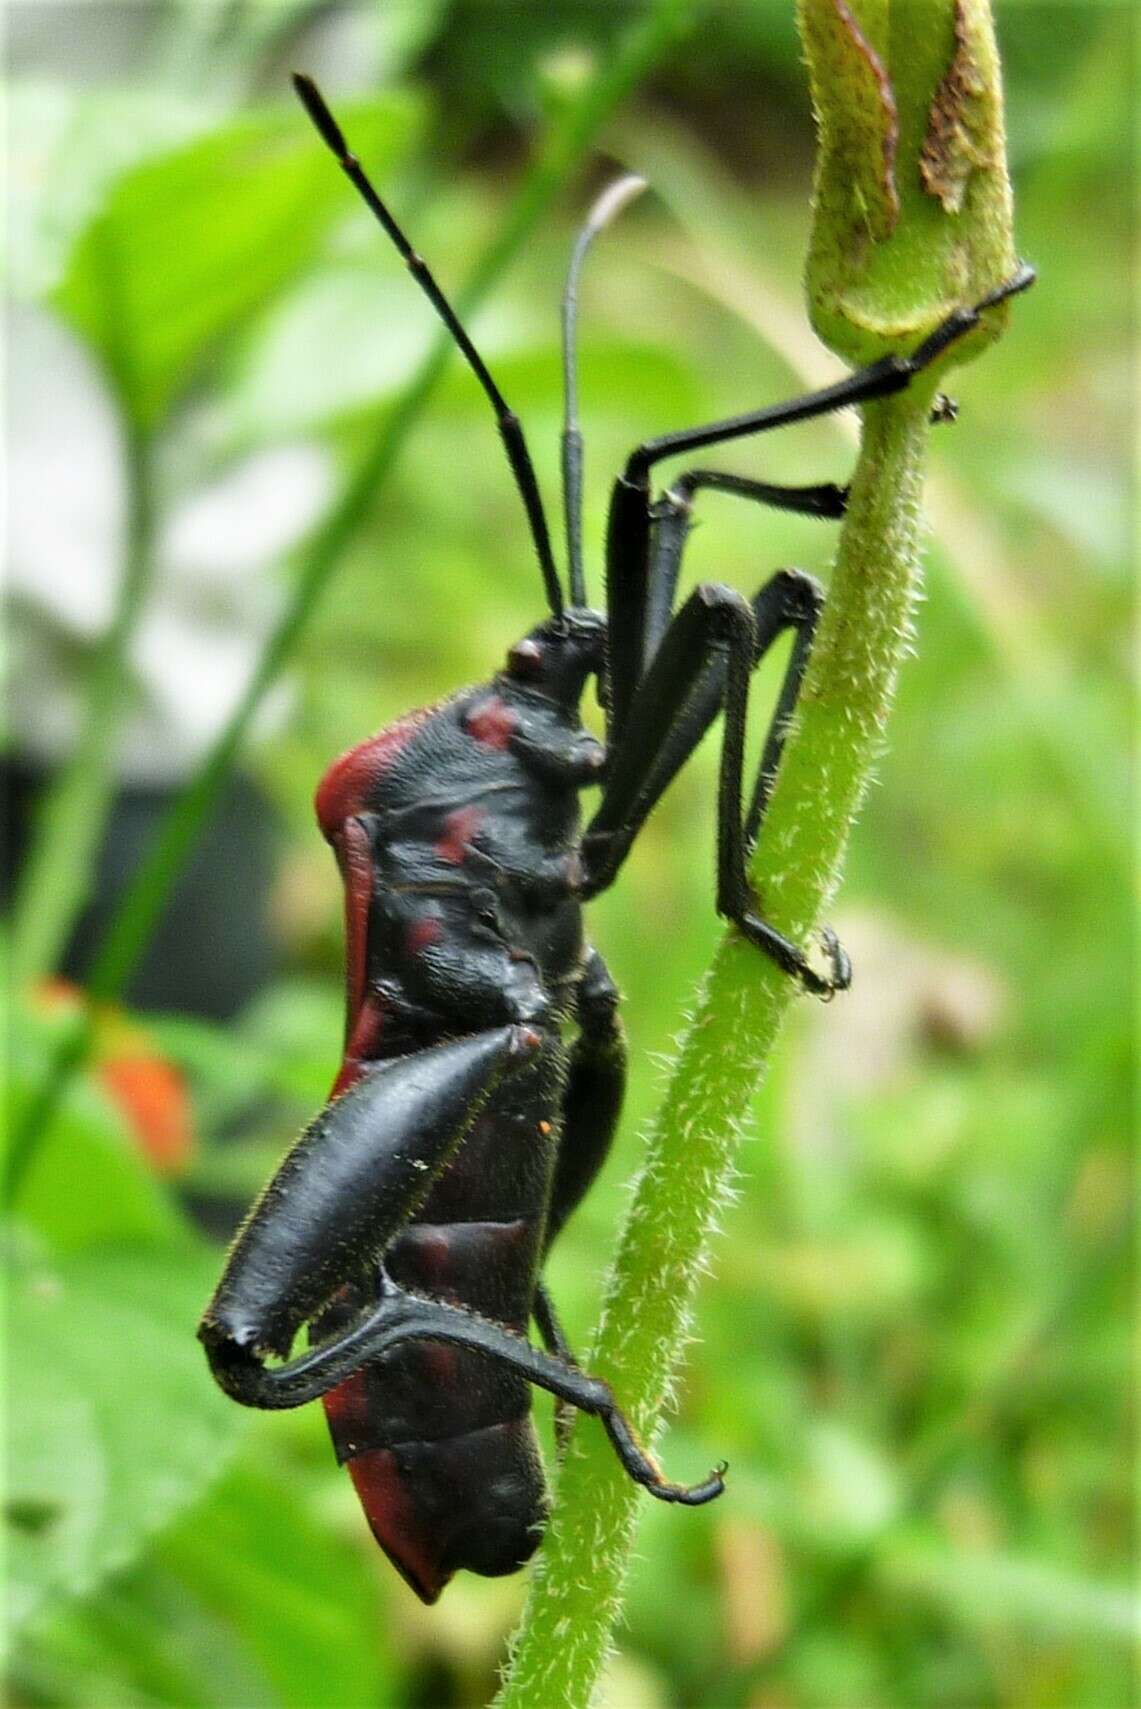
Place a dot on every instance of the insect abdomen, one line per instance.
(437, 1439)
(476, 1502)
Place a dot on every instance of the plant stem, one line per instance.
(126, 937)
(579, 1578)
(912, 216)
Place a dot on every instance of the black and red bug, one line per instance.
(408, 1225)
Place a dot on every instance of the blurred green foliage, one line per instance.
(915, 1350)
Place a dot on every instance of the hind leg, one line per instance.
(402, 1317)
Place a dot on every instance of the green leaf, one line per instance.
(302, 1023)
(88, 1183)
(119, 1427)
(251, 1553)
(245, 1600)
(344, 340)
(987, 1588)
(190, 244)
(69, 145)
(144, 1640)
(850, 1489)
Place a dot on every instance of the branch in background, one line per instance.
(59, 868)
(912, 218)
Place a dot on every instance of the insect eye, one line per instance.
(525, 659)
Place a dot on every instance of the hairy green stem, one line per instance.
(135, 918)
(579, 1579)
(912, 211)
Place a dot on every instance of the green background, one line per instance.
(914, 1348)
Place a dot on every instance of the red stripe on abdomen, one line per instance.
(474, 1502)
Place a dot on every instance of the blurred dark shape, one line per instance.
(212, 948)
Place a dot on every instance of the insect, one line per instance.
(407, 1227)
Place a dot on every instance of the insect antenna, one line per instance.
(613, 199)
(510, 428)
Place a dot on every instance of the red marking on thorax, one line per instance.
(492, 722)
(350, 780)
(348, 1074)
(460, 827)
(422, 932)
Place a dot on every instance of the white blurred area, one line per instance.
(214, 585)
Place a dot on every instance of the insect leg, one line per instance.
(549, 1325)
(629, 523)
(402, 1317)
(592, 1104)
(672, 520)
(706, 658)
(555, 1341)
(348, 1184)
(596, 1086)
(879, 379)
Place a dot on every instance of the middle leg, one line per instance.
(705, 661)
(672, 519)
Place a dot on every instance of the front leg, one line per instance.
(451, 950)
(629, 524)
(672, 520)
(571, 757)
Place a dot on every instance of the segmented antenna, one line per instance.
(510, 428)
(613, 199)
